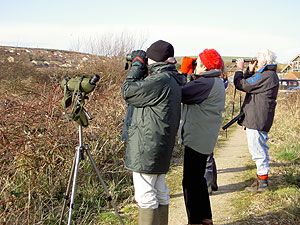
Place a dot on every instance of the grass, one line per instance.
(37, 145)
(281, 204)
(37, 149)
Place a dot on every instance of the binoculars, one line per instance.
(129, 58)
(246, 60)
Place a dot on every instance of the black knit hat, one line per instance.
(160, 51)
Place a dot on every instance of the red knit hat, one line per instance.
(187, 65)
(211, 59)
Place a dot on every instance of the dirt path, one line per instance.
(230, 161)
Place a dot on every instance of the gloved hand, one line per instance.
(138, 68)
(139, 55)
(187, 65)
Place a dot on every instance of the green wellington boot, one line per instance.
(148, 216)
(163, 212)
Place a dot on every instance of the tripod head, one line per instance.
(75, 92)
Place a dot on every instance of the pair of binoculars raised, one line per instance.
(246, 60)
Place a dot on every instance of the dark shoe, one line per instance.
(207, 222)
(204, 222)
(214, 187)
(258, 186)
(254, 184)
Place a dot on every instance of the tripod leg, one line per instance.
(67, 191)
(109, 198)
(76, 164)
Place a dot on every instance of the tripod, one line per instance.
(73, 175)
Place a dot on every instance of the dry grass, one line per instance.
(37, 148)
(37, 145)
(281, 204)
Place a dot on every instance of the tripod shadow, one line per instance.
(176, 195)
(230, 188)
(240, 186)
(236, 169)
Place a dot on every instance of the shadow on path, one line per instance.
(235, 169)
(176, 195)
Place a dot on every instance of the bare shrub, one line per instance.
(109, 44)
(38, 148)
(37, 144)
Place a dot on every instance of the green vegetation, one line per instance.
(37, 148)
(281, 204)
(37, 144)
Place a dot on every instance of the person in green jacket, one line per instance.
(152, 88)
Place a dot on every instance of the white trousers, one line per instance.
(150, 190)
(258, 148)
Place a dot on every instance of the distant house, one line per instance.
(293, 66)
(292, 70)
(292, 76)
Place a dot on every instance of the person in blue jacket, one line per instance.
(261, 88)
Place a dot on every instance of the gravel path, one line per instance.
(230, 159)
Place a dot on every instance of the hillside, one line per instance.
(44, 58)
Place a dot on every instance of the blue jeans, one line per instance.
(259, 150)
(211, 173)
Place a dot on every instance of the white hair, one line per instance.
(199, 62)
(268, 56)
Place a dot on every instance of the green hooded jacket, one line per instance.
(155, 118)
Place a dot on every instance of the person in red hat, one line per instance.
(203, 101)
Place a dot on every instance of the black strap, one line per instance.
(232, 114)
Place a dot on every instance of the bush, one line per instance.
(37, 144)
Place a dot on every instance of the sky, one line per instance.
(232, 27)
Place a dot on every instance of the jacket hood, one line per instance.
(162, 67)
(210, 73)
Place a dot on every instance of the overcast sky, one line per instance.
(232, 27)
